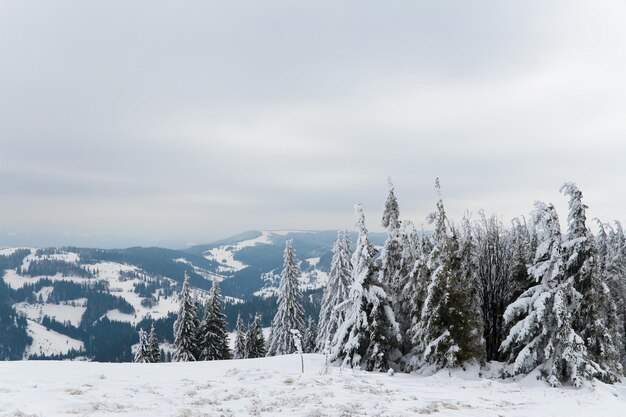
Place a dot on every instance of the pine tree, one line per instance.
(449, 331)
(239, 351)
(310, 336)
(596, 318)
(142, 352)
(542, 337)
(290, 314)
(254, 341)
(153, 342)
(185, 343)
(364, 338)
(336, 291)
(212, 334)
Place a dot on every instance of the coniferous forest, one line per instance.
(542, 295)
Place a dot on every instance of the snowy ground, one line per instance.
(275, 387)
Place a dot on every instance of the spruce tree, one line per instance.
(614, 269)
(153, 342)
(212, 334)
(290, 315)
(142, 352)
(390, 260)
(254, 340)
(542, 337)
(239, 351)
(185, 343)
(595, 319)
(449, 331)
(310, 336)
(336, 291)
(364, 338)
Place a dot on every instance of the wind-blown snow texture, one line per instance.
(275, 387)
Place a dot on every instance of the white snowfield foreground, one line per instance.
(275, 387)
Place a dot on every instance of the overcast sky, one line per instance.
(167, 123)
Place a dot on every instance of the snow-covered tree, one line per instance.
(185, 327)
(595, 319)
(254, 341)
(212, 334)
(449, 331)
(614, 267)
(153, 342)
(239, 351)
(310, 336)
(290, 314)
(390, 260)
(142, 351)
(364, 338)
(336, 291)
(493, 265)
(542, 337)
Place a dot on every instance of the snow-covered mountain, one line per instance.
(69, 299)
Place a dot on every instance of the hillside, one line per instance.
(275, 387)
(68, 300)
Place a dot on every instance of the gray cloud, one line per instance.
(164, 123)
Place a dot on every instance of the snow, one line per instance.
(313, 261)
(48, 342)
(275, 387)
(16, 281)
(67, 311)
(225, 254)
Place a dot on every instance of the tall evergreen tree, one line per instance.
(449, 331)
(212, 333)
(364, 338)
(336, 291)
(614, 255)
(596, 318)
(153, 342)
(390, 260)
(142, 352)
(255, 342)
(290, 315)
(185, 343)
(239, 351)
(542, 337)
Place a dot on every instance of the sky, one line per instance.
(169, 123)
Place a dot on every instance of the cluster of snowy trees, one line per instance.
(200, 340)
(473, 292)
(249, 341)
(147, 351)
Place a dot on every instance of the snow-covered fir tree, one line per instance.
(449, 331)
(185, 326)
(309, 338)
(614, 255)
(595, 320)
(142, 351)
(290, 315)
(254, 340)
(155, 350)
(239, 350)
(364, 338)
(542, 337)
(390, 260)
(212, 334)
(336, 291)
(412, 252)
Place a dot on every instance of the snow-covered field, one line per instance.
(275, 387)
